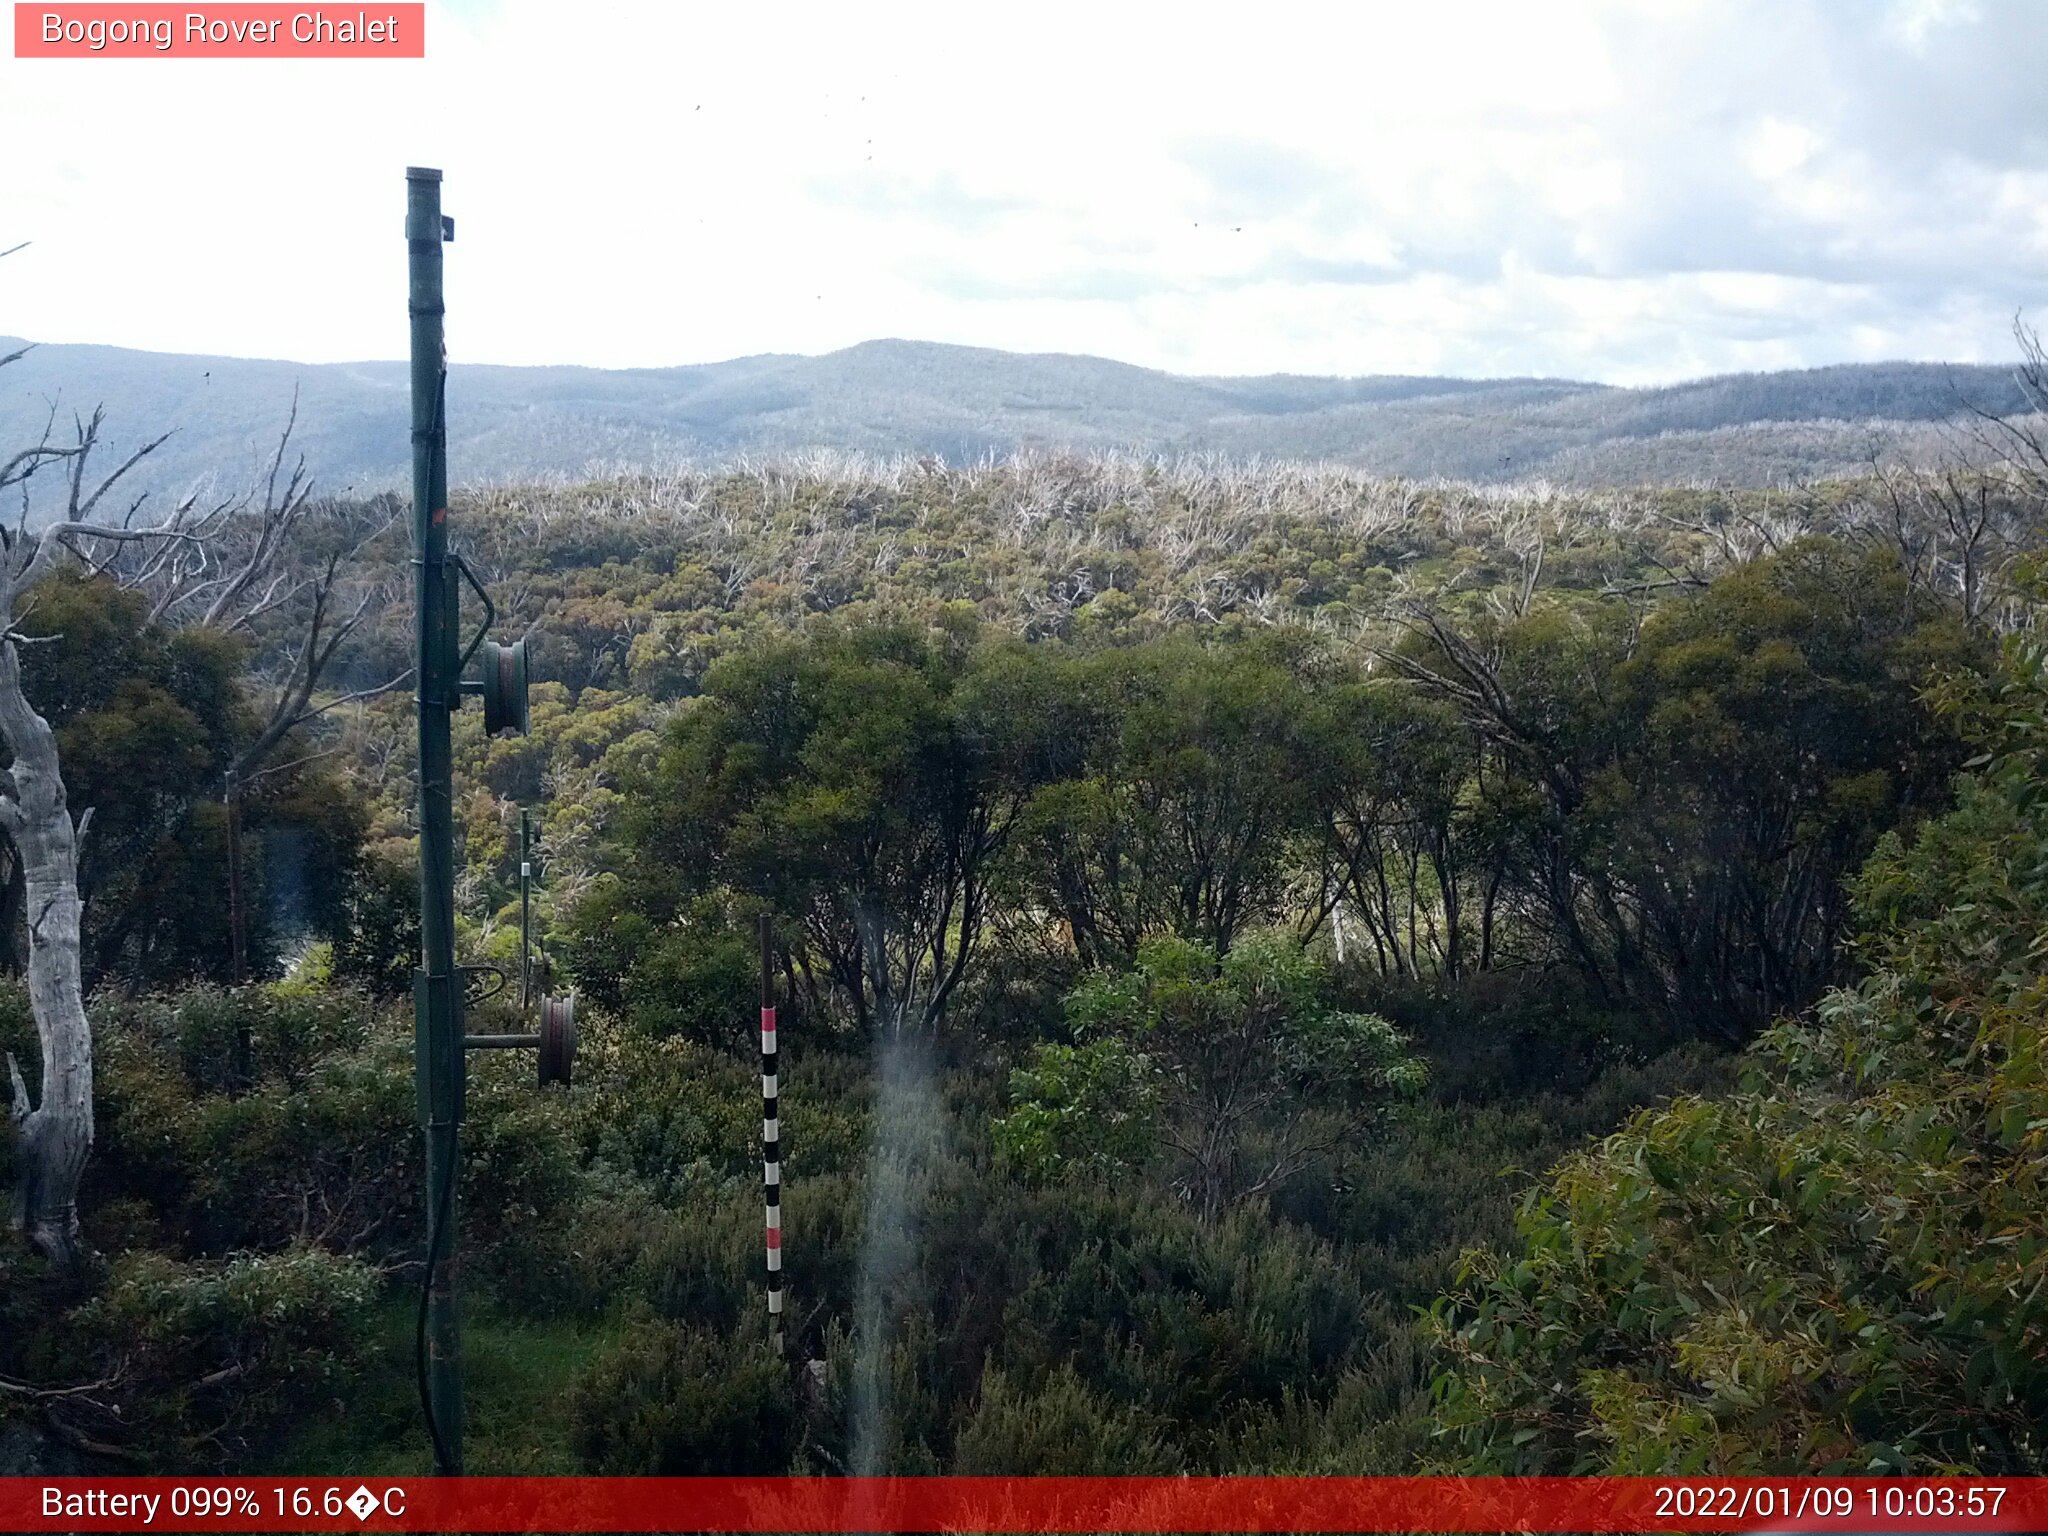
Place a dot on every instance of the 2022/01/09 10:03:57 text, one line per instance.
(1818, 1499)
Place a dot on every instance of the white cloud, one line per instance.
(1778, 147)
(1911, 22)
(1624, 192)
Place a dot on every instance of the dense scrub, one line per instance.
(633, 589)
(254, 1244)
(1663, 807)
(1204, 903)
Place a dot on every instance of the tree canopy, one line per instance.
(1839, 1268)
(1234, 1067)
(147, 719)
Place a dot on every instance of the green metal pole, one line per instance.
(438, 1055)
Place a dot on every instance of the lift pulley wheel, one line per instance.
(557, 1038)
(504, 687)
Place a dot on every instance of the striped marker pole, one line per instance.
(771, 1149)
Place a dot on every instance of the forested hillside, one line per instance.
(961, 404)
(1204, 900)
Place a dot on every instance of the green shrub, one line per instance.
(287, 1030)
(224, 1350)
(1060, 1430)
(379, 942)
(1233, 1067)
(670, 1112)
(1505, 1037)
(699, 979)
(1404, 1204)
(675, 1401)
(325, 1147)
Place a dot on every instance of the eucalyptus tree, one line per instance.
(1182, 791)
(1688, 794)
(1390, 769)
(288, 574)
(862, 783)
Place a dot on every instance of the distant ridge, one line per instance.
(896, 397)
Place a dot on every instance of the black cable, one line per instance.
(436, 1229)
(437, 1225)
(439, 443)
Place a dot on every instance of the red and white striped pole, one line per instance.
(771, 1149)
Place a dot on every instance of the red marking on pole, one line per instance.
(774, 1238)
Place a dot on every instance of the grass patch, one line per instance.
(517, 1371)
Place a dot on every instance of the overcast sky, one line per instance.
(1631, 193)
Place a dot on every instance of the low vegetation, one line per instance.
(1382, 977)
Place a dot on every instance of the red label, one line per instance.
(233, 31)
(1025, 1504)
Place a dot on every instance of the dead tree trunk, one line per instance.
(238, 925)
(53, 1139)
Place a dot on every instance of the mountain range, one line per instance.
(897, 397)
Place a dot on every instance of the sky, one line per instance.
(1632, 193)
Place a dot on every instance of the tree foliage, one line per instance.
(147, 719)
(1234, 1066)
(862, 787)
(1180, 814)
(1679, 804)
(1841, 1267)
(1180, 788)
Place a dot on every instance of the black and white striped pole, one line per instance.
(771, 1135)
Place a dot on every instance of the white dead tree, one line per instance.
(1961, 524)
(2018, 440)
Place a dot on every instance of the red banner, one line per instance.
(1050, 1504)
(226, 31)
